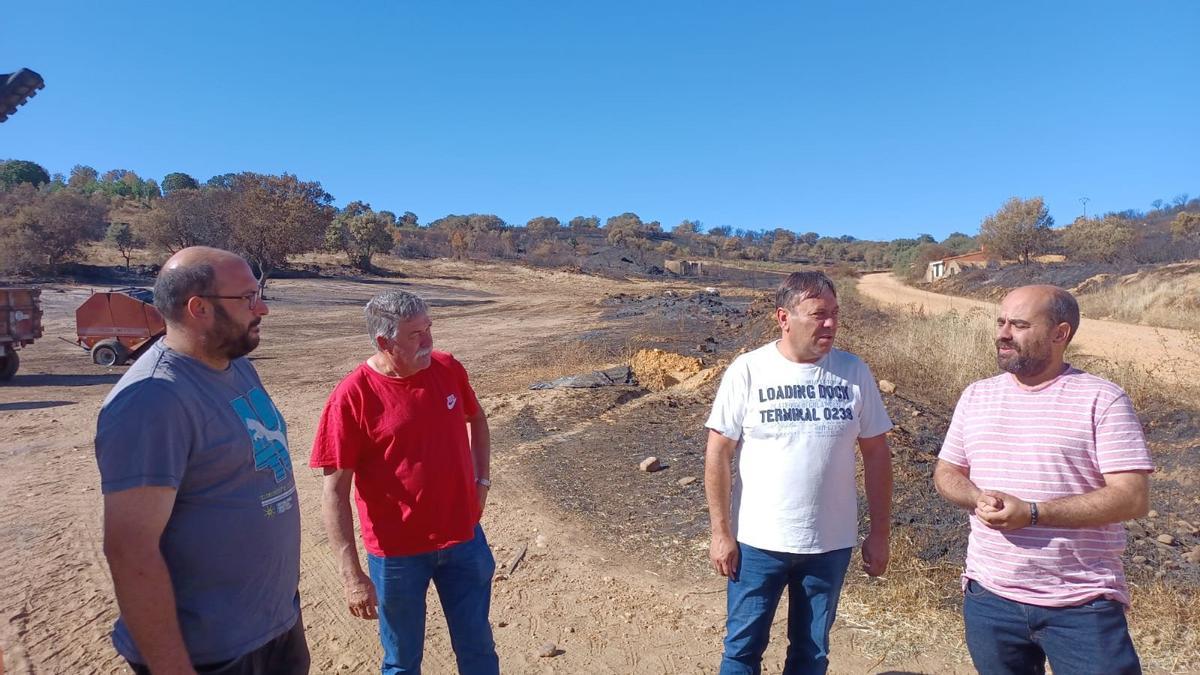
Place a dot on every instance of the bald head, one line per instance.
(190, 272)
(1055, 304)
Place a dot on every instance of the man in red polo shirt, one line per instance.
(406, 429)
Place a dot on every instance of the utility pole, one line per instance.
(1084, 201)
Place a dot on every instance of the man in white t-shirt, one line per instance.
(789, 413)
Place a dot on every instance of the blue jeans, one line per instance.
(1005, 636)
(814, 583)
(462, 575)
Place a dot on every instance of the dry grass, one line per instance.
(1165, 625)
(940, 354)
(914, 609)
(576, 357)
(937, 355)
(1169, 298)
(103, 254)
(917, 608)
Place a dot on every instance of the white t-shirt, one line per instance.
(797, 424)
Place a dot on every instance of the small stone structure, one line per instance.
(685, 268)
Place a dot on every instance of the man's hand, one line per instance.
(1002, 511)
(876, 553)
(360, 597)
(723, 553)
(482, 491)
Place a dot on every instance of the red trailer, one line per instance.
(20, 325)
(118, 326)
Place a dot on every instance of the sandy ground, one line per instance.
(1154, 349)
(606, 612)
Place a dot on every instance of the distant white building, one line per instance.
(953, 265)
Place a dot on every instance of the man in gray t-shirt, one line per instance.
(201, 526)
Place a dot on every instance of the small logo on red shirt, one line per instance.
(450, 401)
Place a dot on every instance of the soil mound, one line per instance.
(656, 369)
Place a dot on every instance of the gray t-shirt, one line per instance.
(232, 544)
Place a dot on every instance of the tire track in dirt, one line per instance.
(56, 613)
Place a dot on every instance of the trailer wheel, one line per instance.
(8, 364)
(109, 353)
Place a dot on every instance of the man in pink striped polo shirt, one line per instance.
(1050, 460)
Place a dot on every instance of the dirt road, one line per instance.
(605, 612)
(1156, 350)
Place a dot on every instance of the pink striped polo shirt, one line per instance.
(1040, 445)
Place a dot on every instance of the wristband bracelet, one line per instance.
(484, 482)
(1033, 513)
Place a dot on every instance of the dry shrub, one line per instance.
(1167, 300)
(575, 357)
(1165, 625)
(935, 354)
(915, 608)
(1168, 385)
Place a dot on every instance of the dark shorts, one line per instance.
(284, 655)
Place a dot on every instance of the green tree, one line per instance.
(409, 219)
(960, 243)
(360, 233)
(222, 181)
(1020, 229)
(1104, 239)
(123, 238)
(580, 224)
(83, 178)
(626, 221)
(17, 171)
(485, 222)
(178, 181)
(783, 242)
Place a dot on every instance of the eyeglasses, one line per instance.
(252, 298)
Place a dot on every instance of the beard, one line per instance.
(1029, 360)
(231, 340)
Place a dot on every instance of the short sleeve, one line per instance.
(1120, 443)
(729, 406)
(470, 403)
(339, 435)
(874, 420)
(144, 436)
(954, 449)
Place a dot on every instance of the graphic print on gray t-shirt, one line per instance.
(232, 543)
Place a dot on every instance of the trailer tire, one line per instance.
(9, 362)
(109, 353)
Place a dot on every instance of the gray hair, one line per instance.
(385, 312)
(1063, 308)
(176, 285)
(802, 285)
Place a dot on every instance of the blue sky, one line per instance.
(874, 119)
